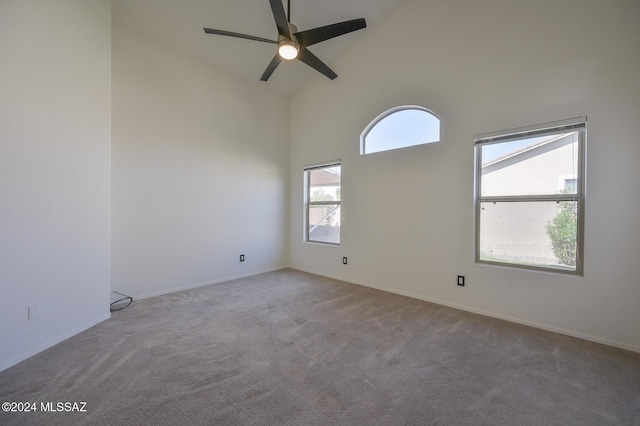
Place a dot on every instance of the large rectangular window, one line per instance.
(322, 202)
(530, 196)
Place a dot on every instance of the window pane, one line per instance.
(529, 233)
(570, 185)
(324, 224)
(403, 127)
(535, 166)
(324, 184)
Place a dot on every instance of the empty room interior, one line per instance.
(487, 271)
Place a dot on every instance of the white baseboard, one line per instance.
(204, 284)
(583, 336)
(86, 326)
(53, 342)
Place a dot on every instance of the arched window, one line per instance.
(400, 127)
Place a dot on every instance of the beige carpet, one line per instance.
(291, 348)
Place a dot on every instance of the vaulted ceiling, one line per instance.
(179, 24)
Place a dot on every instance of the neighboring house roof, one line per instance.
(326, 177)
(536, 148)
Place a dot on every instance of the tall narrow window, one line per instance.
(400, 127)
(322, 203)
(530, 196)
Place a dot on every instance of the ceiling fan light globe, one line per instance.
(288, 50)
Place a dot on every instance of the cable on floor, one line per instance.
(120, 303)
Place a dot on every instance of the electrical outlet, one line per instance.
(242, 258)
(344, 260)
(461, 280)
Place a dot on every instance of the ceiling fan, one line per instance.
(292, 44)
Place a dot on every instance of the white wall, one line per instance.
(481, 66)
(200, 170)
(55, 86)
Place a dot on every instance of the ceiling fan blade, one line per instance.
(316, 35)
(271, 67)
(314, 62)
(238, 35)
(281, 18)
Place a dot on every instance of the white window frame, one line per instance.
(557, 127)
(307, 198)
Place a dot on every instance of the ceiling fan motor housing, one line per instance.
(289, 48)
